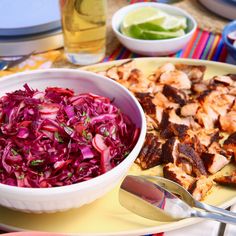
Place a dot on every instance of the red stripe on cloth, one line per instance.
(190, 44)
(127, 54)
(115, 53)
(201, 45)
(159, 234)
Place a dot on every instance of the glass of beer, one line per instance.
(84, 30)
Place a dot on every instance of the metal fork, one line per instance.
(6, 64)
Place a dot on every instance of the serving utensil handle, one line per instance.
(214, 209)
(214, 216)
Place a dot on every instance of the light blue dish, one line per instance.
(26, 17)
(229, 28)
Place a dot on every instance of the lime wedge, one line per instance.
(135, 31)
(153, 35)
(152, 23)
(174, 22)
(143, 15)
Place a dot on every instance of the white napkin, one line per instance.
(205, 228)
(230, 230)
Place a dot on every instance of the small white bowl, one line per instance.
(153, 47)
(54, 199)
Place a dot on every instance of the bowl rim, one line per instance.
(225, 34)
(98, 179)
(155, 4)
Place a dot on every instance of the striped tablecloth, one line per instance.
(204, 45)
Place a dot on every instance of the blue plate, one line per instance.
(229, 28)
(26, 17)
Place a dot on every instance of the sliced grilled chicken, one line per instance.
(195, 73)
(176, 174)
(167, 67)
(148, 106)
(189, 109)
(187, 153)
(113, 73)
(151, 123)
(200, 187)
(150, 154)
(223, 80)
(177, 79)
(228, 180)
(125, 69)
(170, 151)
(214, 162)
(230, 144)
(186, 116)
(228, 122)
(199, 88)
(135, 76)
(169, 129)
(174, 95)
(208, 136)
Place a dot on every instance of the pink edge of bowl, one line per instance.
(31, 234)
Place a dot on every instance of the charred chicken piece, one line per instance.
(214, 162)
(170, 151)
(188, 154)
(167, 67)
(194, 72)
(121, 72)
(230, 144)
(174, 95)
(151, 123)
(229, 180)
(215, 159)
(189, 109)
(213, 104)
(200, 187)
(228, 122)
(232, 76)
(145, 100)
(199, 88)
(135, 76)
(176, 174)
(174, 130)
(195, 143)
(207, 136)
(150, 154)
(176, 79)
(223, 80)
(125, 69)
(169, 129)
(112, 73)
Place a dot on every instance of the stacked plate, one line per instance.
(224, 8)
(27, 26)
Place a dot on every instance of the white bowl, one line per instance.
(63, 198)
(153, 47)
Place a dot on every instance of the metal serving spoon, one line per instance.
(148, 199)
(186, 196)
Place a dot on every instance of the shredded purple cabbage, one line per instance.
(55, 138)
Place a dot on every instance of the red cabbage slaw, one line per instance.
(56, 138)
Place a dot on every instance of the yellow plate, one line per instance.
(105, 216)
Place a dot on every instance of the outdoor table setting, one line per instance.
(100, 99)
